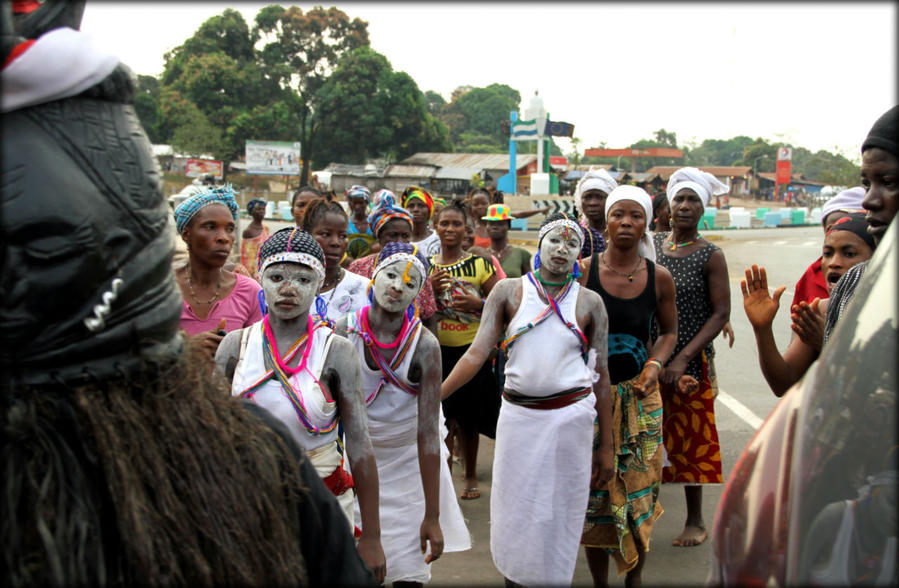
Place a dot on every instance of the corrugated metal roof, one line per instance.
(478, 161)
(410, 171)
(345, 169)
(641, 176)
(730, 171)
(456, 173)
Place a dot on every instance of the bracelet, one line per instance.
(655, 361)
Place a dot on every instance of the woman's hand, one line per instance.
(759, 305)
(430, 531)
(808, 323)
(465, 301)
(687, 384)
(209, 340)
(647, 382)
(440, 281)
(373, 555)
(728, 333)
(602, 467)
(673, 371)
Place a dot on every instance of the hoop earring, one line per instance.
(576, 271)
(537, 260)
(321, 307)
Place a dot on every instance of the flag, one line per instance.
(558, 129)
(524, 130)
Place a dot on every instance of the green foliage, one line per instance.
(474, 117)
(146, 104)
(368, 110)
(718, 151)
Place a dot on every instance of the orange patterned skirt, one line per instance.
(689, 432)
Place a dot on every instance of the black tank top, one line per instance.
(630, 320)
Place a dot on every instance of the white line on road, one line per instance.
(811, 244)
(739, 409)
(779, 243)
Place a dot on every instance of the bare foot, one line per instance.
(691, 536)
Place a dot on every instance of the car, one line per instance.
(812, 498)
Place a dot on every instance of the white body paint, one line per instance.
(559, 249)
(391, 291)
(290, 289)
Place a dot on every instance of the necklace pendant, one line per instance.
(630, 277)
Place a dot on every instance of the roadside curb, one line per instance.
(533, 242)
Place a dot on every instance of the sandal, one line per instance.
(470, 493)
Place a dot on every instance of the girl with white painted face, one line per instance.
(308, 379)
(401, 374)
(557, 381)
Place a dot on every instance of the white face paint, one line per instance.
(391, 292)
(559, 249)
(290, 289)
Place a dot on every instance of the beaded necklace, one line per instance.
(567, 279)
(359, 326)
(676, 245)
(629, 275)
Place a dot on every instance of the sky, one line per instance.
(815, 75)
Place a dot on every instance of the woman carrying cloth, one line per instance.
(292, 366)
(635, 292)
(401, 384)
(542, 461)
(359, 231)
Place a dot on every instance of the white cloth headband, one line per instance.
(295, 257)
(638, 195)
(402, 256)
(594, 179)
(562, 222)
(703, 183)
(851, 198)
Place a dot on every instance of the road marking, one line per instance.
(751, 242)
(779, 243)
(810, 244)
(739, 409)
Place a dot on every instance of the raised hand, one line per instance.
(808, 323)
(760, 307)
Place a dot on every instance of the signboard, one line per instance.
(204, 167)
(784, 153)
(557, 161)
(645, 152)
(273, 157)
(783, 171)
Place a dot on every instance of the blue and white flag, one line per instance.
(524, 130)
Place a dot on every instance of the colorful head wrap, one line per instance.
(420, 193)
(440, 201)
(638, 195)
(847, 200)
(703, 183)
(292, 245)
(379, 196)
(398, 251)
(884, 132)
(498, 212)
(358, 192)
(387, 211)
(252, 204)
(594, 179)
(855, 223)
(560, 219)
(187, 210)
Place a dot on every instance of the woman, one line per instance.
(253, 236)
(361, 235)
(309, 380)
(703, 307)
(342, 291)
(590, 199)
(420, 205)
(216, 301)
(635, 291)
(846, 244)
(515, 261)
(401, 384)
(301, 199)
(468, 246)
(477, 202)
(542, 462)
(462, 282)
(661, 214)
(393, 223)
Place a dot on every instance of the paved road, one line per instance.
(785, 252)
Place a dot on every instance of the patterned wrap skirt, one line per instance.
(691, 437)
(625, 510)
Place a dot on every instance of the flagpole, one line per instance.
(513, 168)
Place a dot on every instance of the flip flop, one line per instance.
(470, 493)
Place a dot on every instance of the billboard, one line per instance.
(201, 167)
(273, 157)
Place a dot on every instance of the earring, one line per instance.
(321, 307)
(369, 292)
(576, 271)
(411, 311)
(262, 307)
(537, 260)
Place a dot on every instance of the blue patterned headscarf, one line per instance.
(252, 204)
(386, 211)
(187, 210)
(359, 192)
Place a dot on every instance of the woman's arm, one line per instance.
(719, 296)
(597, 333)
(344, 378)
(488, 334)
(427, 358)
(666, 316)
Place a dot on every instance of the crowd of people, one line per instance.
(294, 417)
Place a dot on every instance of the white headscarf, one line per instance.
(638, 195)
(594, 179)
(847, 199)
(703, 183)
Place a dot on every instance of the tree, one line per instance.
(146, 104)
(435, 102)
(301, 50)
(226, 33)
(475, 116)
(369, 110)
